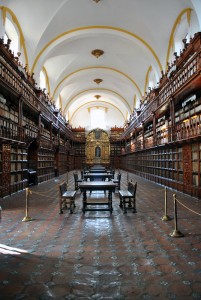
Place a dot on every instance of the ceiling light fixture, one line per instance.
(97, 96)
(97, 52)
(96, 1)
(98, 80)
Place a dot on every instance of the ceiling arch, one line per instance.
(97, 91)
(96, 67)
(136, 44)
(186, 11)
(86, 30)
(92, 104)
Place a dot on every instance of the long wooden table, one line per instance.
(97, 171)
(97, 186)
(101, 176)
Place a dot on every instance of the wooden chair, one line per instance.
(117, 181)
(66, 197)
(77, 181)
(128, 197)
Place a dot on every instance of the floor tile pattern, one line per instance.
(98, 255)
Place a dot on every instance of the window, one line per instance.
(98, 118)
(42, 80)
(12, 34)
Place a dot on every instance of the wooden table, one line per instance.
(97, 186)
(97, 168)
(101, 176)
(97, 171)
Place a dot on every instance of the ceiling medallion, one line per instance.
(97, 96)
(98, 80)
(97, 53)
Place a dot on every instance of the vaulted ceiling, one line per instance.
(137, 38)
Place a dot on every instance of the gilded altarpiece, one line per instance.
(97, 147)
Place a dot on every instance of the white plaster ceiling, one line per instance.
(59, 35)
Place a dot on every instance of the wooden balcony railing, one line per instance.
(186, 70)
(11, 131)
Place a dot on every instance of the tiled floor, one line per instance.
(98, 255)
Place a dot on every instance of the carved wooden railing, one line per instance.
(18, 85)
(187, 68)
(175, 133)
(11, 131)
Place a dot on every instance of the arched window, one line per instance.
(152, 82)
(98, 118)
(43, 83)
(12, 34)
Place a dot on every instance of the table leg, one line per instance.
(84, 201)
(110, 201)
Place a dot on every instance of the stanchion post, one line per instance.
(176, 233)
(165, 217)
(0, 213)
(127, 177)
(27, 218)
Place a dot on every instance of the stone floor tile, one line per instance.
(98, 255)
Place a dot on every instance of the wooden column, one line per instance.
(6, 168)
(187, 168)
(143, 141)
(154, 129)
(171, 136)
(20, 117)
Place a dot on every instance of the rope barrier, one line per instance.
(28, 193)
(44, 195)
(176, 232)
(195, 212)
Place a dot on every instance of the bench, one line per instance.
(66, 197)
(128, 197)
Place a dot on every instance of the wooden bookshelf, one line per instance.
(13, 172)
(62, 160)
(45, 167)
(18, 164)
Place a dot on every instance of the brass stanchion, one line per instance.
(0, 213)
(165, 217)
(176, 233)
(27, 218)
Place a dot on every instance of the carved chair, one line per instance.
(128, 197)
(117, 181)
(77, 181)
(66, 197)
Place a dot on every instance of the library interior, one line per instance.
(100, 149)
